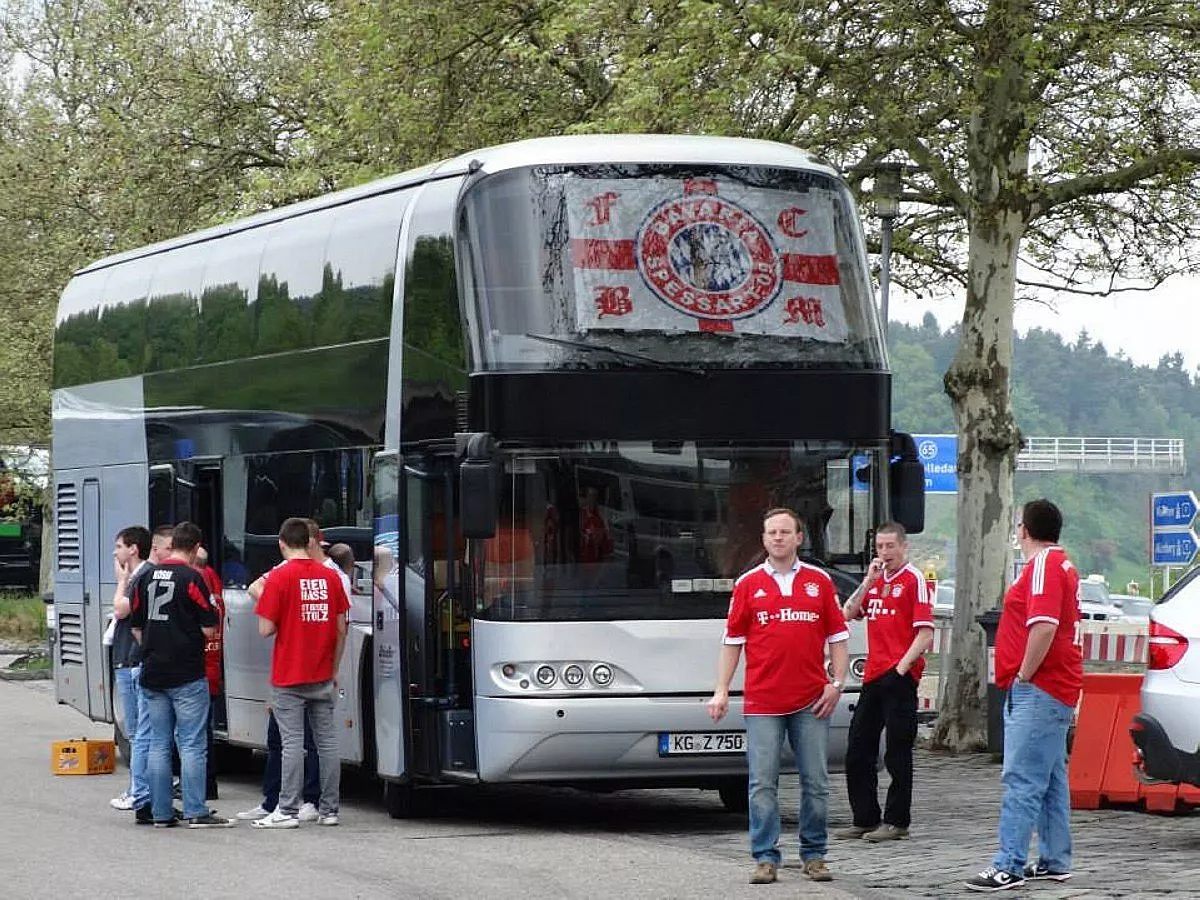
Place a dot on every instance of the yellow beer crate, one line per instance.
(84, 756)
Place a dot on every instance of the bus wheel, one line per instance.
(122, 743)
(399, 799)
(735, 795)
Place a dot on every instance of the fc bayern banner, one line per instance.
(712, 254)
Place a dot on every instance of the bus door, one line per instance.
(438, 645)
(388, 663)
(95, 611)
(198, 500)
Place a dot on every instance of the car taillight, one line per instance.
(1167, 646)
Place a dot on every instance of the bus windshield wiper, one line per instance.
(621, 354)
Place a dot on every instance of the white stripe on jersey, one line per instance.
(1037, 582)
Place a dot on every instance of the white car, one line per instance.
(1095, 603)
(1167, 730)
(1134, 608)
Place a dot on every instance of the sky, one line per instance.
(1145, 325)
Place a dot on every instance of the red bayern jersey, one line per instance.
(1047, 590)
(305, 600)
(895, 606)
(785, 637)
(212, 645)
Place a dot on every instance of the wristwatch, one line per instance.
(837, 684)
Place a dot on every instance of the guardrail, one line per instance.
(1102, 454)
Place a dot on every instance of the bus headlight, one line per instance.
(602, 675)
(545, 675)
(573, 675)
(858, 668)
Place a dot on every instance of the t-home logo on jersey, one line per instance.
(787, 614)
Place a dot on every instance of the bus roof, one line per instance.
(562, 150)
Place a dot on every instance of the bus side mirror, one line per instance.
(906, 483)
(478, 483)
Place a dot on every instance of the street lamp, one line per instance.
(886, 194)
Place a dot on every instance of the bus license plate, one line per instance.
(683, 743)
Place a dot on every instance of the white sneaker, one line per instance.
(125, 802)
(252, 814)
(328, 819)
(308, 813)
(277, 819)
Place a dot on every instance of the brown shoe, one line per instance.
(764, 873)
(886, 832)
(852, 833)
(817, 870)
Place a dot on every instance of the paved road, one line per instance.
(58, 837)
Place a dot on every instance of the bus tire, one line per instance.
(122, 743)
(735, 795)
(399, 798)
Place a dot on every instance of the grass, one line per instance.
(22, 618)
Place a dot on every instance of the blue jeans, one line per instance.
(183, 712)
(137, 729)
(273, 771)
(809, 737)
(1035, 781)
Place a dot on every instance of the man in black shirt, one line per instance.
(172, 615)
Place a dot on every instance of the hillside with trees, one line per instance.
(1060, 388)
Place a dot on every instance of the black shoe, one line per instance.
(170, 823)
(210, 821)
(211, 794)
(992, 879)
(1038, 872)
(144, 815)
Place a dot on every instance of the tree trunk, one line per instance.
(978, 385)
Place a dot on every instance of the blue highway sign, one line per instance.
(1174, 548)
(1172, 510)
(939, 456)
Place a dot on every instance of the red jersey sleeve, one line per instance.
(1047, 589)
(835, 623)
(737, 624)
(921, 604)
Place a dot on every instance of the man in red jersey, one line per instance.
(212, 663)
(304, 606)
(784, 613)
(1038, 660)
(896, 604)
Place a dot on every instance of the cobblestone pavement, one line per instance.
(1118, 853)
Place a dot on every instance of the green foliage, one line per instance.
(22, 618)
(1061, 389)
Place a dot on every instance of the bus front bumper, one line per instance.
(597, 738)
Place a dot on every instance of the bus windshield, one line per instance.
(708, 266)
(650, 531)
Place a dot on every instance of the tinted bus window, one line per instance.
(290, 278)
(230, 287)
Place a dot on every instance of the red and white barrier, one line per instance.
(1114, 641)
(1117, 642)
(1101, 641)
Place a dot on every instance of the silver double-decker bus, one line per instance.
(545, 392)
